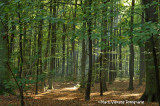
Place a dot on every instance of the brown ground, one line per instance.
(66, 94)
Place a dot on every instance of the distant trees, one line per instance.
(79, 40)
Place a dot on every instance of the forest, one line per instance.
(79, 52)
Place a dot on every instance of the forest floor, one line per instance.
(67, 94)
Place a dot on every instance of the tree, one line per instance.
(151, 46)
(89, 24)
(83, 59)
(39, 60)
(4, 49)
(53, 46)
(104, 39)
(63, 48)
(131, 60)
(142, 58)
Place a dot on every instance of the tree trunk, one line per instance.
(89, 23)
(53, 47)
(152, 92)
(100, 75)
(142, 57)
(67, 68)
(4, 73)
(73, 44)
(131, 59)
(83, 59)
(63, 49)
(120, 53)
(21, 57)
(104, 55)
(39, 60)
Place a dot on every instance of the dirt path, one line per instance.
(67, 94)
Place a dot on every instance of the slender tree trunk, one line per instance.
(63, 40)
(131, 61)
(111, 67)
(100, 75)
(126, 64)
(53, 47)
(63, 48)
(73, 43)
(142, 57)
(120, 54)
(39, 60)
(105, 58)
(4, 51)
(67, 68)
(12, 37)
(83, 59)
(46, 63)
(89, 23)
(21, 57)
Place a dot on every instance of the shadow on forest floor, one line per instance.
(66, 94)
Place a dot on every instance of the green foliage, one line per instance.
(25, 16)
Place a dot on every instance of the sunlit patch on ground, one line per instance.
(69, 89)
(67, 94)
(131, 95)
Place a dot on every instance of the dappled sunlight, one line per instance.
(68, 97)
(69, 89)
(68, 94)
(59, 94)
(105, 93)
(132, 94)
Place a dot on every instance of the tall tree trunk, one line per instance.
(63, 58)
(142, 57)
(89, 23)
(100, 75)
(104, 38)
(12, 37)
(53, 47)
(39, 60)
(4, 51)
(67, 68)
(126, 63)
(152, 92)
(120, 53)
(46, 63)
(21, 57)
(83, 59)
(142, 65)
(111, 63)
(63, 48)
(131, 60)
(73, 43)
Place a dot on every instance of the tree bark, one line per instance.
(142, 57)
(89, 23)
(53, 47)
(152, 92)
(73, 43)
(83, 59)
(131, 60)
(4, 51)
(21, 57)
